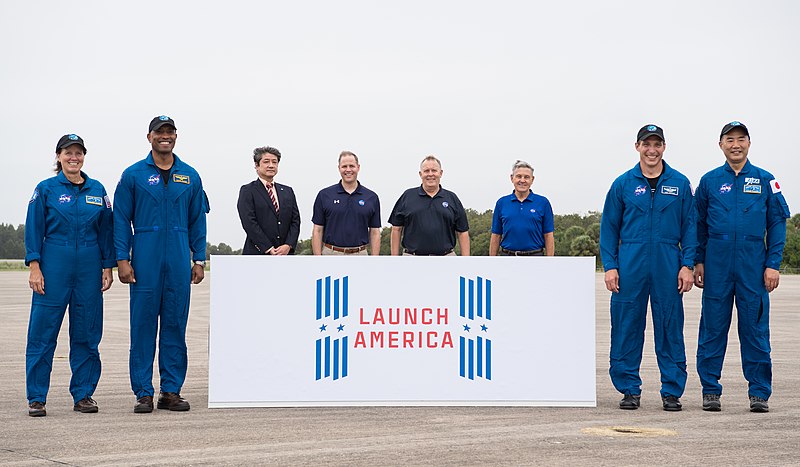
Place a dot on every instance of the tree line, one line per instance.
(575, 235)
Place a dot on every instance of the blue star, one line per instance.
(466, 327)
(323, 327)
(340, 327)
(484, 328)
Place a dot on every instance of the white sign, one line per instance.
(325, 331)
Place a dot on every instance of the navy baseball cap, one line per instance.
(69, 140)
(158, 122)
(732, 126)
(648, 131)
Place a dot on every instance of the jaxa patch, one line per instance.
(776, 187)
(153, 179)
(34, 195)
(96, 200)
(752, 189)
(640, 190)
(177, 178)
(752, 181)
(669, 190)
(108, 202)
(725, 188)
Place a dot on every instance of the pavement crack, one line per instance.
(37, 457)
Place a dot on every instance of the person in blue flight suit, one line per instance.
(739, 206)
(648, 240)
(70, 249)
(160, 239)
(522, 224)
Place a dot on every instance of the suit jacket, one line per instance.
(265, 229)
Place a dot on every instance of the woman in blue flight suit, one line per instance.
(70, 249)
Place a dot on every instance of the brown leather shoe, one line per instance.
(143, 405)
(86, 405)
(172, 401)
(36, 409)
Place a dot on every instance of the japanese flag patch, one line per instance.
(776, 187)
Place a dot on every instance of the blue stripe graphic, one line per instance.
(319, 359)
(480, 356)
(462, 291)
(336, 299)
(461, 352)
(344, 298)
(327, 356)
(488, 299)
(488, 359)
(480, 296)
(471, 299)
(336, 359)
(319, 298)
(327, 296)
(344, 356)
(471, 358)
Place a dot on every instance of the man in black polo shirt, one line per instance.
(347, 215)
(428, 217)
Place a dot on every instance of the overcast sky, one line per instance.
(563, 85)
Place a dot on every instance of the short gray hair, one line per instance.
(520, 165)
(430, 158)
(258, 153)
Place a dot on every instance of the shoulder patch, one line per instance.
(34, 195)
(776, 187)
(107, 201)
(177, 178)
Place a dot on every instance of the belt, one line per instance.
(751, 238)
(429, 254)
(349, 250)
(539, 252)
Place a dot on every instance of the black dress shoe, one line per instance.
(672, 404)
(630, 402)
(172, 401)
(86, 405)
(36, 409)
(143, 405)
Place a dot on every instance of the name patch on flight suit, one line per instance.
(96, 200)
(669, 190)
(180, 178)
(752, 189)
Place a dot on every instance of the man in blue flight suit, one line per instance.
(647, 242)
(738, 206)
(162, 199)
(69, 248)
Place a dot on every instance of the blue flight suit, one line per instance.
(68, 230)
(169, 231)
(735, 214)
(648, 238)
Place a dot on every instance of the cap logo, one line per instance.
(163, 118)
(734, 123)
(651, 128)
(73, 137)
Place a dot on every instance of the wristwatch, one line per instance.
(200, 263)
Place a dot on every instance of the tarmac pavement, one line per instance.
(604, 435)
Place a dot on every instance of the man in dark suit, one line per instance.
(268, 210)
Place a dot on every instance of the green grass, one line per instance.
(12, 266)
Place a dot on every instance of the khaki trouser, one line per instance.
(328, 252)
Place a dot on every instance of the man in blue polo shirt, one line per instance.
(427, 219)
(347, 215)
(522, 224)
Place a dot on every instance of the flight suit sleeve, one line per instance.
(198, 207)
(610, 226)
(34, 226)
(701, 210)
(105, 237)
(688, 228)
(777, 213)
(123, 216)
